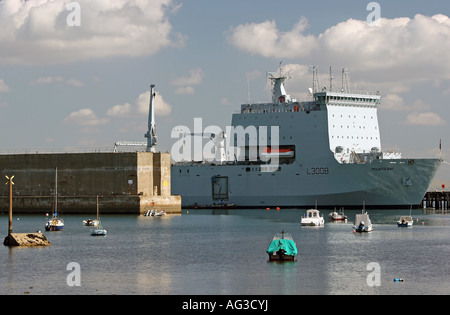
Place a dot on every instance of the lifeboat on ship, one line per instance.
(280, 152)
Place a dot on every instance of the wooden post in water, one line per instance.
(21, 239)
(10, 182)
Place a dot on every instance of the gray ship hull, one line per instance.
(380, 184)
(329, 154)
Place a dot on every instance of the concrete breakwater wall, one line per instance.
(126, 182)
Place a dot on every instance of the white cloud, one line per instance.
(141, 107)
(162, 108)
(58, 80)
(396, 102)
(74, 82)
(226, 101)
(37, 32)
(123, 110)
(195, 78)
(85, 117)
(185, 84)
(266, 40)
(4, 88)
(392, 102)
(424, 119)
(419, 46)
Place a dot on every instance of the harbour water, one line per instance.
(223, 252)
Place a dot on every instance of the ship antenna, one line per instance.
(331, 79)
(151, 133)
(315, 79)
(248, 90)
(344, 80)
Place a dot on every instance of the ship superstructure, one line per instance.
(326, 150)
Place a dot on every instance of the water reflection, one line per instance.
(224, 252)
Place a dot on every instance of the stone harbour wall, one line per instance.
(126, 182)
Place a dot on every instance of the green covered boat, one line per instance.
(282, 248)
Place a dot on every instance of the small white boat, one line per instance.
(405, 221)
(153, 213)
(99, 230)
(362, 223)
(160, 213)
(337, 216)
(312, 218)
(55, 223)
(90, 222)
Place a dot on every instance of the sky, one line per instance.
(75, 75)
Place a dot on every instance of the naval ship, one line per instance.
(295, 154)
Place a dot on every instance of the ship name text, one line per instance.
(382, 168)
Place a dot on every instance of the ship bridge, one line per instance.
(353, 129)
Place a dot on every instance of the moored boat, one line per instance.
(282, 247)
(99, 230)
(153, 213)
(312, 218)
(55, 223)
(90, 222)
(362, 223)
(149, 213)
(160, 213)
(337, 216)
(405, 221)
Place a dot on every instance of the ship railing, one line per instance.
(357, 157)
(278, 108)
(71, 150)
(349, 92)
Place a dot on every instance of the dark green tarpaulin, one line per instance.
(287, 245)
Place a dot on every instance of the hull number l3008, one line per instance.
(317, 171)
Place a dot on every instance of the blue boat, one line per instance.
(405, 221)
(54, 224)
